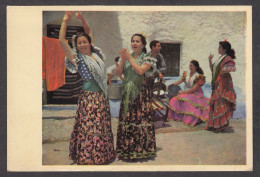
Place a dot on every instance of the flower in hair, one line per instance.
(143, 34)
(225, 40)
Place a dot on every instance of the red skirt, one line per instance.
(222, 104)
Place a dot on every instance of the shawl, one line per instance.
(97, 69)
(216, 70)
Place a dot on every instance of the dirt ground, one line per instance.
(177, 144)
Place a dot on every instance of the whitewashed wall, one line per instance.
(198, 33)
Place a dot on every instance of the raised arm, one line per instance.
(62, 37)
(181, 79)
(210, 61)
(178, 81)
(138, 69)
(85, 25)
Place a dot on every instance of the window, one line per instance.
(171, 54)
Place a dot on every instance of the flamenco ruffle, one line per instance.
(191, 109)
(223, 106)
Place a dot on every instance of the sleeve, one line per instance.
(111, 69)
(163, 68)
(228, 65)
(71, 68)
(151, 61)
(200, 80)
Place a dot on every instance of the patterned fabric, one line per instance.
(133, 81)
(92, 139)
(96, 68)
(84, 71)
(192, 108)
(223, 98)
(160, 63)
(135, 133)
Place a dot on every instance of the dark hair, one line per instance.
(227, 46)
(117, 58)
(197, 65)
(153, 43)
(142, 39)
(92, 49)
(88, 38)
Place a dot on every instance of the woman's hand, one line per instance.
(67, 16)
(184, 73)
(180, 92)
(210, 57)
(78, 15)
(125, 55)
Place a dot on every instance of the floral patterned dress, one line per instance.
(223, 98)
(91, 138)
(135, 133)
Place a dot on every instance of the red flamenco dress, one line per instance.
(223, 98)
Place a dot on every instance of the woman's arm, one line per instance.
(85, 25)
(210, 61)
(191, 90)
(179, 81)
(62, 37)
(138, 69)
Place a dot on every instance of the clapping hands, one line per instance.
(78, 15)
(125, 55)
(67, 16)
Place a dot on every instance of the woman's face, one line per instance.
(83, 45)
(221, 50)
(192, 68)
(136, 44)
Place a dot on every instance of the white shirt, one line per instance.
(112, 70)
(189, 81)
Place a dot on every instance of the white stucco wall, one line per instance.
(198, 33)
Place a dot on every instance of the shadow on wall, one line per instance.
(105, 28)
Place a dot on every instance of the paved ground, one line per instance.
(176, 144)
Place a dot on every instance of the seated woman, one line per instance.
(190, 106)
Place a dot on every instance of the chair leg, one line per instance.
(166, 116)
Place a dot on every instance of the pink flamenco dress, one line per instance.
(190, 107)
